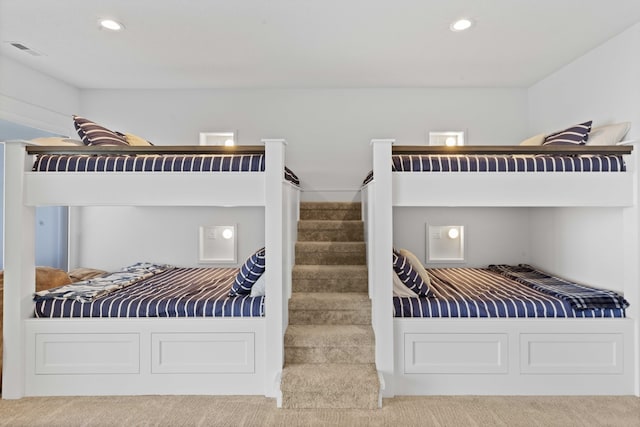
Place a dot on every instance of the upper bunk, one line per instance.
(147, 175)
(542, 176)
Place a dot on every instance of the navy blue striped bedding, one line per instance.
(508, 163)
(579, 296)
(179, 292)
(155, 163)
(480, 292)
(504, 163)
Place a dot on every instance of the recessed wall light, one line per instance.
(461, 24)
(112, 25)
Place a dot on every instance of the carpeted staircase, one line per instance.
(329, 343)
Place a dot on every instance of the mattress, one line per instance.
(508, 163)
(480, 292)
(177, 292)
(154, 163)
(504, 163)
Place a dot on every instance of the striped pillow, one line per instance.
(408, 275)
(249, 274)
(575, 135)
(94, 134)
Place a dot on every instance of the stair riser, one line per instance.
(330, 235)
(333, 285)
(354, 341)
(329, 257)
(314, 355)
(331, 317)
(330, 215)
(304, 400)
(331, 274)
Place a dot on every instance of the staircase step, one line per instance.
(331, 253)
(330, 231)
(329, 344)
(324, 308)
(330, 386)
(330, 278)
(330, 211)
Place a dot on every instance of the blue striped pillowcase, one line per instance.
(94, 134)
(249, 274)
(575, 135)
(408, 275)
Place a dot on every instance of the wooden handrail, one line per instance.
(512, 149)
(155, 149)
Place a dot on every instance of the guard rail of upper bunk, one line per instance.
(512, 149)
(154, 149)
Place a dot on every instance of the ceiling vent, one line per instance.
(25, 49)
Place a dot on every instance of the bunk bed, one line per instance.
(111, 353)
(451, 354)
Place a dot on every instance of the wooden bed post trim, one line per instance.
(19, 270)
(276, 259)
(382, 291)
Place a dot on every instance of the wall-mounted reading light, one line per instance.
(227, 139)
(445, 243)
(448, 138)
(227, 233)
(453, 233)
(217, 244)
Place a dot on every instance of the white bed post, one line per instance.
(276, 259)
(382, 303)
(631, 227)
(19, 270)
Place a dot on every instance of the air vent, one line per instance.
(25, 48)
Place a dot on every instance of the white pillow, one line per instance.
(534, 140)
(258, 288)
(57, 141)
(400, 289)
(417, 266)
(608, 134)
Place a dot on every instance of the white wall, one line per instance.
(491, 235)
(602, 85)
(328, 130)
(582, 244)
(113, 237)
(31, 98)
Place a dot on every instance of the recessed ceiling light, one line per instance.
(461, 24)
(112, 25)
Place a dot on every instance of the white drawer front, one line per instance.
(455, 353)
(203, 352)
(87, 353)
(571, 353)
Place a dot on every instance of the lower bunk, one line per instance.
(509, 330)
(151, 329)
(513, 356)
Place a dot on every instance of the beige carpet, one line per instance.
(259, 411)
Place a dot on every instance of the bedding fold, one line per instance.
(98, 287)
(580, 297)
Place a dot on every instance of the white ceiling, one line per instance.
(307, 43)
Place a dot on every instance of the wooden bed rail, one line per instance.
(155, 149)
(512, 149)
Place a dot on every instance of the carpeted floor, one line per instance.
(467, 411)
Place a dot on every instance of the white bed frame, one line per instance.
(143, 356)
(501, 356)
